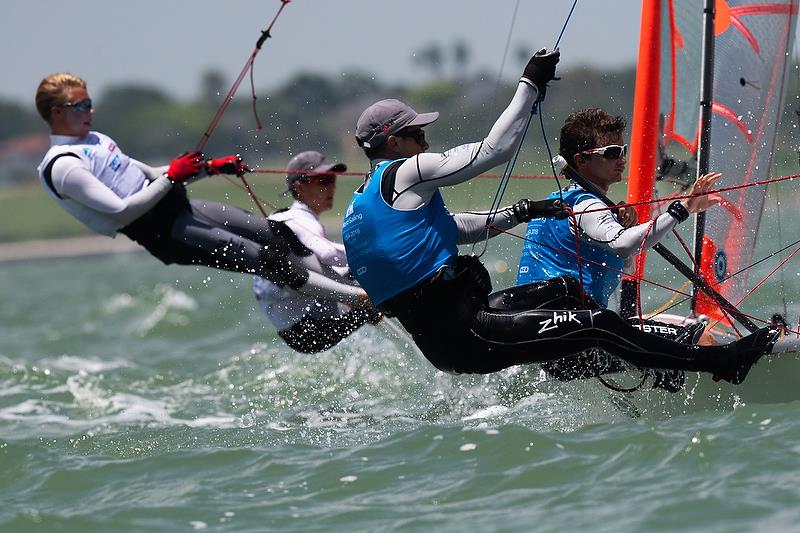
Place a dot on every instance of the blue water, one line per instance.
(139, 397)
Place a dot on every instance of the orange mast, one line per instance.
(644, 132)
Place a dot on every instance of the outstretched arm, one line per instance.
(419, 177)
(604, 229)
(472, 225)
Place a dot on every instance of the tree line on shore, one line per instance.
(312, 111)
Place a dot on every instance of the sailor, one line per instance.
(401, 243)
(592, 143)
(312, 324)
(89, 176)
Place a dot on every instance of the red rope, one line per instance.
(258, 201)
(229, 97)
(253, 196)
(685, 248)
(639, 279)
(357, 173)
(685, 196)
(546, 177)
(578, 257)
(640, 263)
(760, 283)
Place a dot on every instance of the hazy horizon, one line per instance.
(171, 44)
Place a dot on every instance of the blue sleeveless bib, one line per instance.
(390, 250)
(550, 251)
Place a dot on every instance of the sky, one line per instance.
(170, 43)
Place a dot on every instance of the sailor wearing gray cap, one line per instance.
(401, 244)
(311, 324)
(310, 164)
(388, 117)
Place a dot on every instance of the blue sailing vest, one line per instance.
(550, 251)
(390, 250)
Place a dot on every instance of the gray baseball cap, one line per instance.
(385, 118)
(307, 164)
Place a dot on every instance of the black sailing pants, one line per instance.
(199, 232)
(461, 329)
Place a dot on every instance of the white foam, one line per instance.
(91, 366)
(487, 412)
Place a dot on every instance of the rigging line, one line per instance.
(265, 34)
(564, 27)
(510, 165)
(684, 246)
(685, 196)
(729, 276)
(650, 227)
(572, 214)
(622, 272)
(770, 256)
(494, 175)
(360, 174)
(696, 268)
(760, 283)
(256, 199)
(498, 195)
(780, 240)
(673, 300)
(505, 53)
(494, 102)
(253, 196)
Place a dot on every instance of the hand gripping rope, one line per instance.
(504, 179)
(248, 66)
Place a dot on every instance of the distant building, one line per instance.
(20, 156)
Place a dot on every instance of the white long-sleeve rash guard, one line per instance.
(72, 179)
(600, 227)
(418, 178)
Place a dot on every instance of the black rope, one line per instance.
(505, 178)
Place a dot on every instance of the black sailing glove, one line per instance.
(525, 210)
(541, 68)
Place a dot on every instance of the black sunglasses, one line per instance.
(324, 180)
(82, 106)
(418, 135)
(612, 151)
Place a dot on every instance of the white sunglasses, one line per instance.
(612, 151)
